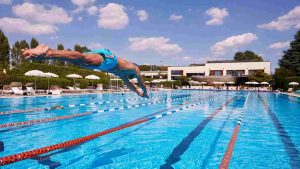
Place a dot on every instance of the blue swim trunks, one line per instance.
(110, 60)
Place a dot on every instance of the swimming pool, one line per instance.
(178, 129)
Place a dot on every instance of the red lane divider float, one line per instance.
(45, 120)
(79, 105)
(228, 154)
(33, 153)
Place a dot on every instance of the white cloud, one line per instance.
(83, 2)
(92, 10)
(17, 25)
(186, 58)
(6, 2)
(161, 45)
(175, 18)
(217, 16)
(42, 14)
(280, 45)
(113, 16)
(142, 14)
(284, 22)
(95, 45)
(233, 42)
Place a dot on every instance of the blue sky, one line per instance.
(145, 32)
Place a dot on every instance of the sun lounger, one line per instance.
(30, 90)
(17, 91)
(290, 90)
(7, 90)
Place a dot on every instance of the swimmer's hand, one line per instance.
(39, 52)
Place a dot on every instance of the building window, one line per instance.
(235, 72)
(195, 74)
(251, 72)
(177, 72)
(216, 73)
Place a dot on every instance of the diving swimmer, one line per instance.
(102, 59)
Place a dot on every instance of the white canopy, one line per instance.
(230, 82)
(254, 83)
(203, 83)
(35, 73)
(74, 76)
(264, 83)
(92, 77)
(49, 74)
(294, 83)
(218, 83)
(194, 82)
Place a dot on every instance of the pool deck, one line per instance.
(292, 94)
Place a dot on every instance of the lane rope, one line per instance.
(80, 105)
(228, 154)
(51, 119)
(36, 152)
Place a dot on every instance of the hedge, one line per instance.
(17, 75)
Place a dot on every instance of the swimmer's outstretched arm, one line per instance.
(44, 52)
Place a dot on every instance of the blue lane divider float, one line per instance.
(79, 105)
(57, 118)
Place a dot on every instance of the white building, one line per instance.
(226, 70)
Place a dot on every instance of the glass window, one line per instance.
(177, 72)
(251, 72)
(216, 73)
(235, 72)
(195, 74)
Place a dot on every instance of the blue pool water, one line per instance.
(269, 135)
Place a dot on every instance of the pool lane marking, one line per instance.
(228, 153)
(36, 152)
(289, 146)
(80, 105)
(174, 157)
(51, 119)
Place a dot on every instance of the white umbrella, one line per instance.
(74, 76)
(293, 84)
(194, 82)
(92, 77)
(159, 80)
(147, 82)
(218, 83)
(248, 83)
(50, 75)
(203, 83)
(230, 83)
(35, 73)
(255, 83)
(264, 83)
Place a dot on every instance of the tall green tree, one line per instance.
(260, 77)
(81, 49)
(247, 56)
(291, 57)
(59, 62)
(16, 54)
(4, 50)
(33, 43)
(60, 47)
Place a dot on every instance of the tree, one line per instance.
(260, 77)
(280, 77)
(4, 51)
(60, 47)
(33, 43)
(291, 58)
(16, 54)
(247, 56)
(81, 49)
